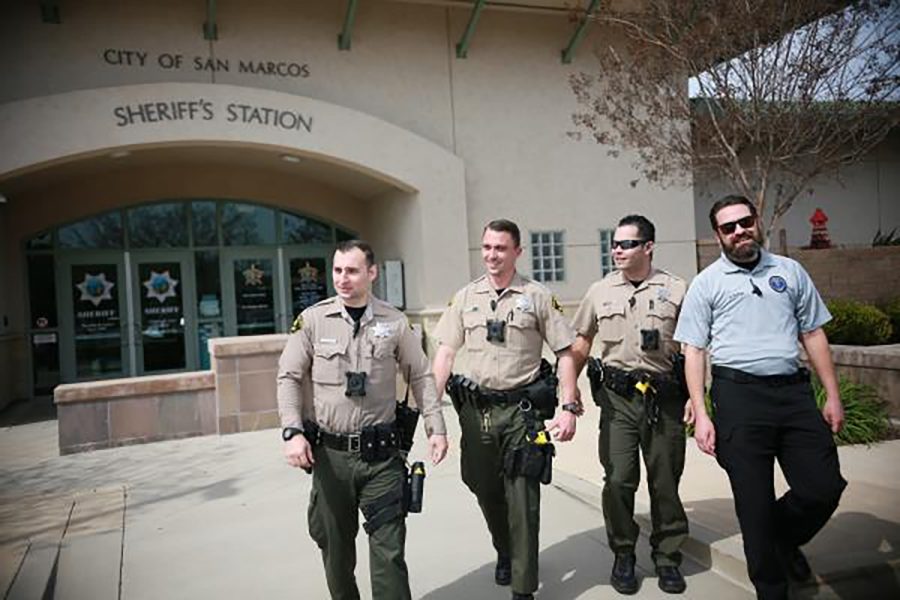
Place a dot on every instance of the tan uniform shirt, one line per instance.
(324, 349)
(615, 311)
(531, 315)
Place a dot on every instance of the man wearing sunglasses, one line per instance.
(632, 312)
(749, 310)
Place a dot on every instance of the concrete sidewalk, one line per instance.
(224, 516)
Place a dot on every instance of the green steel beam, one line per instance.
(210, 28)
(344, 37)
(50, 12)
(462, 47)
(579, 32)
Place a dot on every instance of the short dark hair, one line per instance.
(505, 225)
(730, 200)
(364, 247)
(645, 228)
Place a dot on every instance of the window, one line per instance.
(157, 226)
(303, 230)
(247, 224)
(606, 261)
(104, 231)
(547, 256)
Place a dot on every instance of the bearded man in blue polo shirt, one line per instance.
(749, 310)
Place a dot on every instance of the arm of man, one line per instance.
(580, 350)
(563, 424)
(413, 361)
(695, 374)
(293, 369)
(815, 343)
(559, 335)
(442, 366)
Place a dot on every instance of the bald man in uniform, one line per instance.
(350, 347)
(633, 312)
(503, 319)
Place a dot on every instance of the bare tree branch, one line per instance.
(787, 90)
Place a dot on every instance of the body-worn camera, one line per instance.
(649, 339)
(356, 384)
(496, 330)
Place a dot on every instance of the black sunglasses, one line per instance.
(627, 244)
(745, 223)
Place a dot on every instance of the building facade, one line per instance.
(179, 171)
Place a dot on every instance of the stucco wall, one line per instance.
(505, 110)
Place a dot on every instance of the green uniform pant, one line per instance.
(624, 431)
(511, 505)
(342, 485)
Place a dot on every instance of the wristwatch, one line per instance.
(288, 432)
(572, 407)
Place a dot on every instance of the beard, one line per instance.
(744, 249)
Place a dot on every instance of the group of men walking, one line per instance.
(747, 311)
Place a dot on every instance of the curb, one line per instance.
(704, 546)
(725, 556)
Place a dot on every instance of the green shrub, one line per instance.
(857, 324)
(892, 310)
(865, 416)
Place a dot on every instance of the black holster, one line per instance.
(596, 378)
(311, 432)
(414, 488)
(406, 421)
(462, 390)
(532, 461)
(384, 509)
(378, 442)
(542, 392)
(678, 364)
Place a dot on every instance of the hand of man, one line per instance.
(562, 426)
(437, 447)
(705, 433)
(298, 452)
(833, 411)
(688, 412)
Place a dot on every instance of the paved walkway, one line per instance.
(224, 517)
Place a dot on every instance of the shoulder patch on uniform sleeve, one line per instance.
(297, 325)
(555, 304)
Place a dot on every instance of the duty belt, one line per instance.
(626, 383)
(348, 442)
(352, 442)
(738, 376)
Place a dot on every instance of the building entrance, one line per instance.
(140, 291)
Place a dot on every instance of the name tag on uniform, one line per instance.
(328, 340)
(382, 330)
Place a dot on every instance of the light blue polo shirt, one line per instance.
(752, 320)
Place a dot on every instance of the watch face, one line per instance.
(287, 433)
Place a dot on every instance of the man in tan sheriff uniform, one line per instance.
(350, 347)
(633, 312)
(503, 320)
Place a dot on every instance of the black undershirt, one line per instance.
(636, 284)
(356, 313)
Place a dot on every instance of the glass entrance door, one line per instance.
(251, 284)
(307, 272)
(93, 316)
(165, 321)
